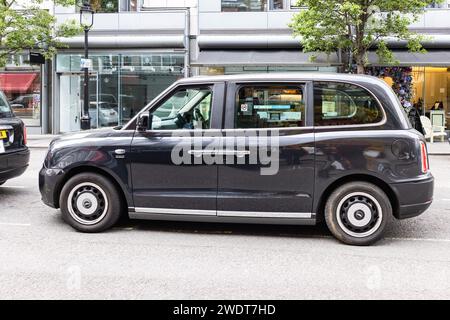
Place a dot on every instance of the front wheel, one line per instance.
(356, 213)
(90, 203)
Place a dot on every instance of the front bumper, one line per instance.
(414, 197)
(13, 163)
(50, 182)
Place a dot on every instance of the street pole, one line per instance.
(86, 119)
(86, 20)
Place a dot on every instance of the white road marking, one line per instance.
(15, 224)
(394, 238)
(418, 239)
(15, 187)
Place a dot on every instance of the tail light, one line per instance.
(24, 135)
(424, 157)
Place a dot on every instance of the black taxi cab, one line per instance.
(295, 148)
(14, 154)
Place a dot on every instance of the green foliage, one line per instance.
(354, 26)
(29, 27)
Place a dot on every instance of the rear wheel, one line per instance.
(90, 203)
(356, 213)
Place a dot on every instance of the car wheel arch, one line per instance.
(84, 169)
(320, 206)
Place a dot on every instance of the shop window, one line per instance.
(439, 4)
(101, 6)
(129, 5)
(294, 4)
(251, 5)
(344, 104)
(430, 93)
(23, 91)
(188, 108)
(270, 107)
(120, 85)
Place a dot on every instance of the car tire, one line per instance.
(90, 203)
(357, 213)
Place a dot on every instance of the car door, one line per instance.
(164, 179)
(262, 117)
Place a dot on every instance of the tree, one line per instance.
(352, 27)
(25, 25)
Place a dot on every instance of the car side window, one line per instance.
(270, 106)
(186, 108)
(5, 110)
(338, 104)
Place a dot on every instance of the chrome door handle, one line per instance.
(120, 152)
(236, 153)
(199, 153)
(196, 153)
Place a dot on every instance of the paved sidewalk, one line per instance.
(40, 140)
(43, 141)
(439, 148)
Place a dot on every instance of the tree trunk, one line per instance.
(360, 69)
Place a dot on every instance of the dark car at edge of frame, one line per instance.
(14, 153)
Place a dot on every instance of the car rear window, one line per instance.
(338, 104)
(5, 109)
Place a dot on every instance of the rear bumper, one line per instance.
(414, 197)
(14, 163)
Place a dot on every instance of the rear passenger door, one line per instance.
(268, 169)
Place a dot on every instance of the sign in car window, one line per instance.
(273, 107)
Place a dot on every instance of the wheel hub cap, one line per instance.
(359, 214)
(87, 203)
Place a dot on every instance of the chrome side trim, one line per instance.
(176, 211)
(222, 213)
(258, 214)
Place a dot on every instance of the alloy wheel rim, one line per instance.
(87, 203)
(359, 214)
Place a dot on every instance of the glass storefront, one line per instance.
(430, 96)
(101, 6)
(424, 89)
(21, 83)
(119, 85)
(251, 5)
(110, 6)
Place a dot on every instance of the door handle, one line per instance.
(196, 153)
(238, 153)
(120, 152)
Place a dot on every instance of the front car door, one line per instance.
(271, 174)
(166, 180)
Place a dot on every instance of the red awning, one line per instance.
(16, 82)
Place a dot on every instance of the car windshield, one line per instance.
(5, 109)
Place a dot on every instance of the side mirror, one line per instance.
(145, 122)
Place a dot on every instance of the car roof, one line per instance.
(286, 76)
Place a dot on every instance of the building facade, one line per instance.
(139, 47)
